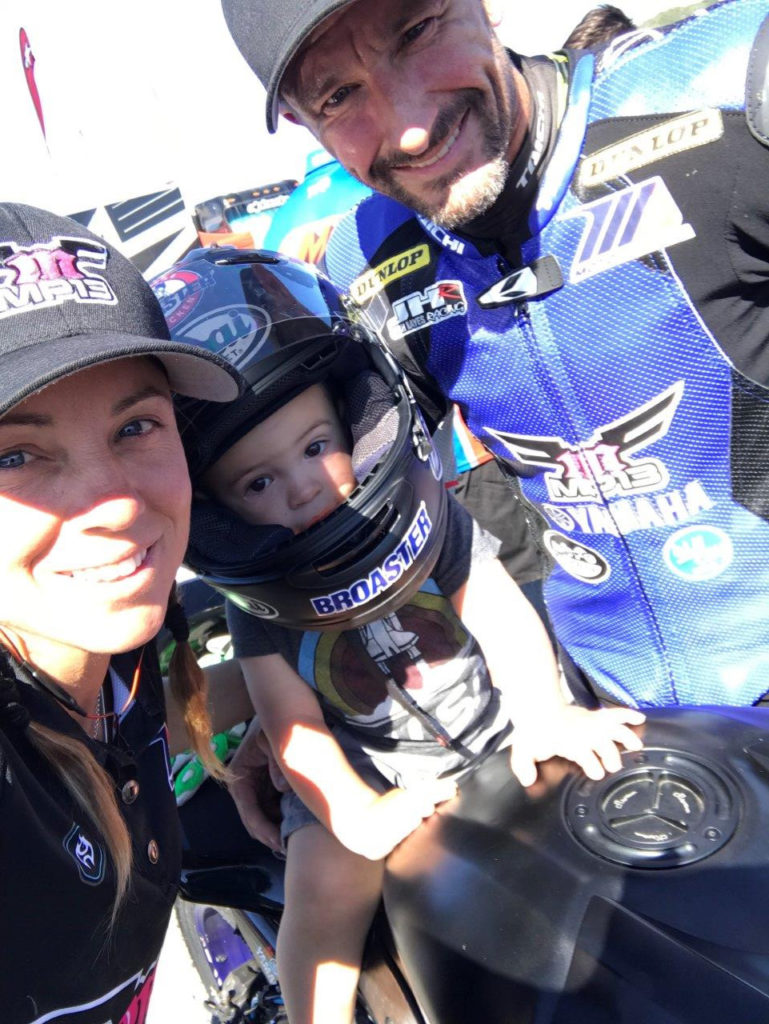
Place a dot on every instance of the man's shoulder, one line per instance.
(374, 232)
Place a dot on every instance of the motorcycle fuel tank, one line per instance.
(639, 899)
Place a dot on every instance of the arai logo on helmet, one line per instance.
(234, 332)
(383, 576)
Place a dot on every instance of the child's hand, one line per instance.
(377, 830)
(589, 738)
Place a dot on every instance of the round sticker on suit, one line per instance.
(578, 560)
(698, 553)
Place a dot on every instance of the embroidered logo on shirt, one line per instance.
(87, 855)
(664, 140)
(625, 225)
(602, 466)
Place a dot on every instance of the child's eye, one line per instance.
(316, 448)
(261, 483)
(137, 427)
(14, 460)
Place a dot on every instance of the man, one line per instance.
(600, 25)
(578, 255)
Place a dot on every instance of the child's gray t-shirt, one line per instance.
(423, 647)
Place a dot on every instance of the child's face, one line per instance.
(293, 469)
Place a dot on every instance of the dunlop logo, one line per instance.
(664, 140)
(368, 285)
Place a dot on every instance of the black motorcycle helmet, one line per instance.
(284, 326)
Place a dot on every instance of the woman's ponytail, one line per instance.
(189, 688)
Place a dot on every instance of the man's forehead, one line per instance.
(390, 14)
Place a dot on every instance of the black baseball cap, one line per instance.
(269, 33)
(68, 300)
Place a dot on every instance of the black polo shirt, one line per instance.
(61, 959)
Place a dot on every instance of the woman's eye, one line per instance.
(136, 428)
(13, 460)
(260, 484)
(316, 448)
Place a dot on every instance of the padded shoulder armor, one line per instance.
(757, 85)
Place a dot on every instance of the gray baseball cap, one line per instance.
(268, 34)
(68, 300)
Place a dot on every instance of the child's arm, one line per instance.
(317, 769)
(522, 665)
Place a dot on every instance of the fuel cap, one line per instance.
(663, 809)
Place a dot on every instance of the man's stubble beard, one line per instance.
(466, 195)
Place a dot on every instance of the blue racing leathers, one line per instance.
(620, 364)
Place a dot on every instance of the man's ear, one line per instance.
(289, 115)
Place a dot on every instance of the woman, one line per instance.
(94, 500)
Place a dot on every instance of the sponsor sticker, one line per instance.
(578, 560)
(234, 332)
(383, 576)
(625, 225)
(674, 136)
(438, 302)
(178, 292)
(63, 270)
(698, 553)
(368, 285)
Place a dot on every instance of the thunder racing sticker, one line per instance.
(625, 225)
(438, 302)
(664, 140)
(698, 553)
(234, 332)
(63, 270)
(578, 560)
(383, 576)
(368, 285)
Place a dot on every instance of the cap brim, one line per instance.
(191, 371)
(313, 13)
